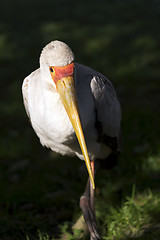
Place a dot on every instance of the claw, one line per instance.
(89, 217)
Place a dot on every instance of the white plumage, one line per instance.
(50, 97)
(96, 96)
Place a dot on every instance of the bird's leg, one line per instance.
(92, 190)
(87, 206)
(92, 197)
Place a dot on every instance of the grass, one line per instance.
(136, 218)
(40, 190)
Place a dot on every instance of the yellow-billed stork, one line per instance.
(74, 110)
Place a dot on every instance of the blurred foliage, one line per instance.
(40, 190)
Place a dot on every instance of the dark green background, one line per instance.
(121, 39)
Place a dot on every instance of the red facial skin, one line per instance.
(58, 73)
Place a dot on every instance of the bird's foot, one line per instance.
(89, 217)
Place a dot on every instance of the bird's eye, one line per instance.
(51, 69)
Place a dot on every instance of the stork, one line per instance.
(75, 111)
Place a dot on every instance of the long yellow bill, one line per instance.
(66, 90)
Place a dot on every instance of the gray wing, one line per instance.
(108, 112)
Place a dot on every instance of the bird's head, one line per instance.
(57, 62)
